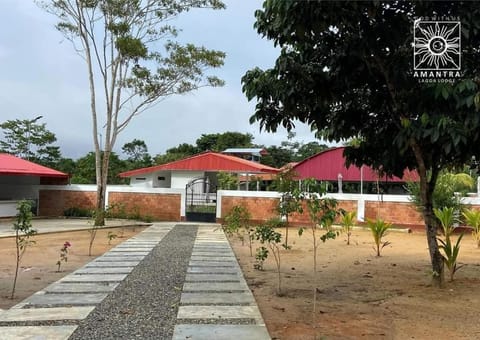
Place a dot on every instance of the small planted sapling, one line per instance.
(447, 219)
(472, 217)
(379, 229)
(260, 257)
(348, 220)
(93, 233)
(111, 236)
(237, 222)
(63, 255)
(23, 232)
(322, 213)
(267, 235)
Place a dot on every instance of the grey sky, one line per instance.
(40, 74)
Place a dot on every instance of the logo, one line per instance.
(437, 49)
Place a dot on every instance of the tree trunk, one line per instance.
(426, 195)
(102, 189)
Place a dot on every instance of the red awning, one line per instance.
(329, 164)
(11, 165)
(207, 161)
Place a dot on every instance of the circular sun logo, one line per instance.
(437, 45)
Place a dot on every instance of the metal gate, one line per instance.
(200, 201)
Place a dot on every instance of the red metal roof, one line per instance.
(207, 161)
(11, 165)
(328, 164)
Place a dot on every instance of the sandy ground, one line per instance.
(360, 295)
(38, 266)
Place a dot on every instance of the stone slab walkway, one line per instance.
(215, 303)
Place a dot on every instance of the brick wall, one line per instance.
(161, 207)
(260, 208)
(397, 213)
(54, 202)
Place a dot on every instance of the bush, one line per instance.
(77, 212)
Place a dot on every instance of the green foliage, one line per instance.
(63, 255)
(227, 181)
(449, 189)
(447, 219)
(23, 231)
(317, 80)
(450, 254)
(137, 154)
(129, 47)
(472, 218)
(260, 256)
(85, 169)
(291, 197)
(267, 235)
(348, 221)
(77, 212)
(31, 141)
(379, 229)
(116, 210)
(275, 222)
(237, 221)
(111, 236)
(221, 141)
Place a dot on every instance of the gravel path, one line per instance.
(145, 304)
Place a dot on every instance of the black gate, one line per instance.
(201, 201)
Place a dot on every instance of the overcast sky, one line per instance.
(40, 74)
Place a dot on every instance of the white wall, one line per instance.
(144, 180)
(159, 183)
(181, 178)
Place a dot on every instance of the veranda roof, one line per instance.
(12, 165)
(329, 164)
(207, 161)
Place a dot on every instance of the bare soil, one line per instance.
(38, 266)
(360, 295)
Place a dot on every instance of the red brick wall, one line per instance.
(54, 202)
(260, 208)
(160, 207)
(397, 213)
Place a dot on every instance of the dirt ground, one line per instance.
(38, 265)
(360, 295)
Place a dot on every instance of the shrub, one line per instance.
(348, 220)
(472, 218)
(379, 229)
(77, 212)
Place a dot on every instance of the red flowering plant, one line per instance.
(63, 254)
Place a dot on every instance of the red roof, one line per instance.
(328, 164)
(207, 161)
(11, 165)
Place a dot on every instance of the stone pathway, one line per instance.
(54, 312)
(216, 302)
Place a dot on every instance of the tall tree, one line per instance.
(221, 141)
(127, 70)
(179, 152)
(30, 140)
(137, 154)
(346, 69)
(84, 172)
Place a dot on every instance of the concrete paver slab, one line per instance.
(217, 298)
(125, 253)
(95, 264)
(218, 312)
(119, 258)
(213, 277)
(81, 287)
(213, 263)
(212, 270)
(214, 286)
(65, 299)
(37, 332)
(220, 332)
(45, 314)
(94, 278)
(104, 270)
(213, 258)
